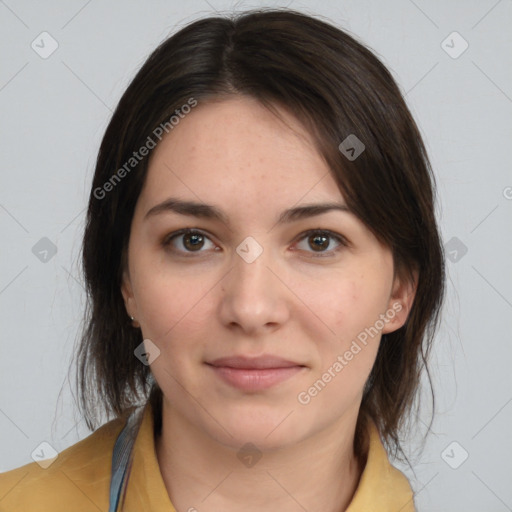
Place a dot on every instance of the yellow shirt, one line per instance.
(78, 480)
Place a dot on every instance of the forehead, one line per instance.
(237, 152)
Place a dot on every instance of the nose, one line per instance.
(254, 300)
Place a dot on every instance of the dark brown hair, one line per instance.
(336, 87)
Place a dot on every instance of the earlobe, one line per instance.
(400, 302)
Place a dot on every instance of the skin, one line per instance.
(290, 301)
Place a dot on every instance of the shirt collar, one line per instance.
(381, 486)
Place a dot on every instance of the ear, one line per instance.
(400, 301)
(127, 292)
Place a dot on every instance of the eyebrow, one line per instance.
(207, 211)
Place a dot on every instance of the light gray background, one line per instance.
(54, 112)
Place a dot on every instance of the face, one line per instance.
(267, 323)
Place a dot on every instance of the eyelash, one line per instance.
(166, 242)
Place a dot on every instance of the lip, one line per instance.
(252, 363)
(254, 373)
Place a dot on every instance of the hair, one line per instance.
(335, 87)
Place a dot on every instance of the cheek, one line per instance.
(172, 310)
(345, 359)
(360, 306)
(170, 303)
(174, 316)
(349, 307)
(342, 304)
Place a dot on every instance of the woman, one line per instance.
(265, 277)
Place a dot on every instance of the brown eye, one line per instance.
(318, 242)
(321, 242)
(187, 241)
(193, 241)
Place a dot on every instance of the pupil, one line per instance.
(196, 240)
(323, 239)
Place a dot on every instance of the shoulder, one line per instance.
(78, 479)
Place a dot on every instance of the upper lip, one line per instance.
(260, 362)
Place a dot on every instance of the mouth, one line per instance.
(255, 373)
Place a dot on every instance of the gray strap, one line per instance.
(122, 457)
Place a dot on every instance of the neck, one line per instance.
(319, 473)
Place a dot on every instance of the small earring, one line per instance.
(131, 318)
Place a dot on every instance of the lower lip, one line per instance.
(255, 379)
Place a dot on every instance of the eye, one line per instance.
(320, 240)
(187, 241)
